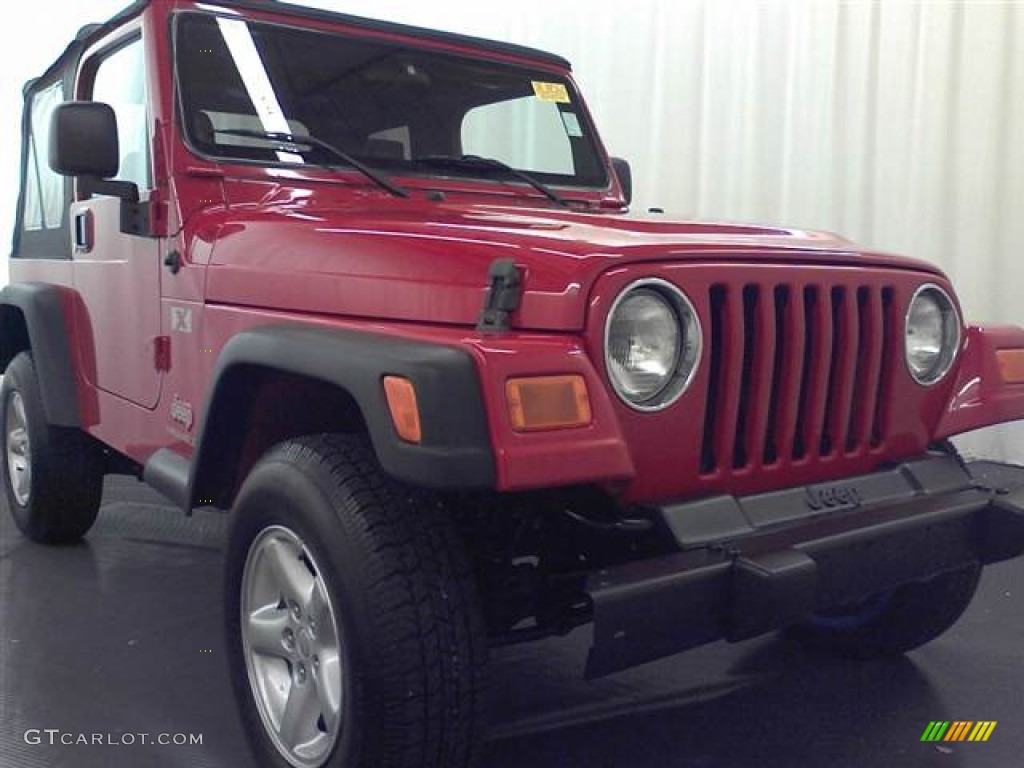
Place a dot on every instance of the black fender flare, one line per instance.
(456, 449)
(45, 331)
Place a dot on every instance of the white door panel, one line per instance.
(118, 279)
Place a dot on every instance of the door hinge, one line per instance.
(162, 353)
(173, 262)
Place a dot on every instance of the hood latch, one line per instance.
(503, 296)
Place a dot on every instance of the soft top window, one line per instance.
(41, 230)
(386, 104)
(44, 188)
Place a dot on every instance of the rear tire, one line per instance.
(352, 593)
(896, 621)
(53, 476)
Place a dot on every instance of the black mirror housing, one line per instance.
(625, 175)
(83, 140)
(84, 144)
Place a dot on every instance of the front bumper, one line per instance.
(749, 565)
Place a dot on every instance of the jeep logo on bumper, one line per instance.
(831, 496)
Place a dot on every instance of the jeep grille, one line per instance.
(797, 372)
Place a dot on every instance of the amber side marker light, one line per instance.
(548, 402)
(1011, 365)
(405, 412)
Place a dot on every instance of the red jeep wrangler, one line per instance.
(375, 290)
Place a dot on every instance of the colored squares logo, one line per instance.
(959, 730)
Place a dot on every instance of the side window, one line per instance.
(44, 189)
(121, 82)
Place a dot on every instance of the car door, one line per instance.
(117, 274)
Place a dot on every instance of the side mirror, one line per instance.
(83, 140)
(625, 174)
(84, 144)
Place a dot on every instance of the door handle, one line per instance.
(85, 232)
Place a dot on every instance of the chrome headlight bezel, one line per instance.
(952, 335)
(691, 344)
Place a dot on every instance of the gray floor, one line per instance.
(121, 635)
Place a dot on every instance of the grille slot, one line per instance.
(797, 372)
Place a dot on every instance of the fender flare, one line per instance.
(41, 305)
(456, 449)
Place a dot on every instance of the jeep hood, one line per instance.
(428, 262)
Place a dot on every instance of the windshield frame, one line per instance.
(586, 188)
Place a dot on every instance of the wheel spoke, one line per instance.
(299, 719)
(19, 440)
(264, 630)
(328, 680)
(289, 574)
(19, 409)
(318, 609)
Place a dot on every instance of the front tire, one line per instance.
(354, 634)
(895, 621)
(53, 476)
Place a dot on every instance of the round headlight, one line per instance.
(652, 344)
(932, 334)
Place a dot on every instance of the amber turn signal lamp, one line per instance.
(1011, 365)
(548, 402)
(405, 412)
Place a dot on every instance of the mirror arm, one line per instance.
(93, 185)
(135, 215)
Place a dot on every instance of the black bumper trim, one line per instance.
(721, 518)
(773, 574)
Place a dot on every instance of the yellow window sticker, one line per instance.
(555, 93)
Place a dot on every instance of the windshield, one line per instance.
(383, 103)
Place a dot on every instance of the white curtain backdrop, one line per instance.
(898, 123)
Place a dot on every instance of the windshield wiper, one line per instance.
(299, 142)
(490, 165)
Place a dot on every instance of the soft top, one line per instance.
(92, 32)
